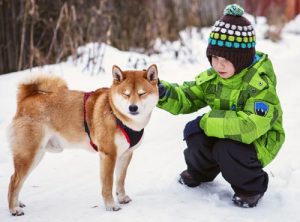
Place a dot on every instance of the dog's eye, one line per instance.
(142, 93)
(126, 93)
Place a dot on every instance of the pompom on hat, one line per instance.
(232, 38)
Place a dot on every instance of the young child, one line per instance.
(243, 131)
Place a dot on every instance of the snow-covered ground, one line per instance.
(66, 187)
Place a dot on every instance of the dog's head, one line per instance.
(134, 93)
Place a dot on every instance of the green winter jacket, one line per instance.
(244, 107)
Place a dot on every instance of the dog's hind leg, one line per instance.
(121, 170)
(26, 144)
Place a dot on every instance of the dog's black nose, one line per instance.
(133, 108)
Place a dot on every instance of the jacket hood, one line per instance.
(264, 67)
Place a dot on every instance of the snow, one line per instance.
(66, 186)
(293, 26)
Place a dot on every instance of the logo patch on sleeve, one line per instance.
(261, 108)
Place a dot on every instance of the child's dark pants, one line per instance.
(207, 156)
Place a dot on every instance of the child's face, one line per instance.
(223, 66)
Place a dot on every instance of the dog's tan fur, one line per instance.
(49, 115)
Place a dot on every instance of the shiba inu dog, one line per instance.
(49, 115)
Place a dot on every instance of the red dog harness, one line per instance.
(86, 127)
(132, 136)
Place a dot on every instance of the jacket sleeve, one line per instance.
(259, 114)
(186, 98)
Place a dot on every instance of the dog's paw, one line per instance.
(112, 207)
(17, 211)
(22, 205)
(124, 199)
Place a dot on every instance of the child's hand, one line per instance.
(161, 89)
(192, 127)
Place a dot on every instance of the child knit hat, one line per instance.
(232, 38)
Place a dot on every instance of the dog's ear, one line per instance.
(152, 73)
(117, 73)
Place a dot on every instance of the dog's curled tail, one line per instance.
(43, 84)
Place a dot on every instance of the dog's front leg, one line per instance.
(122, 165)
(107, 171)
